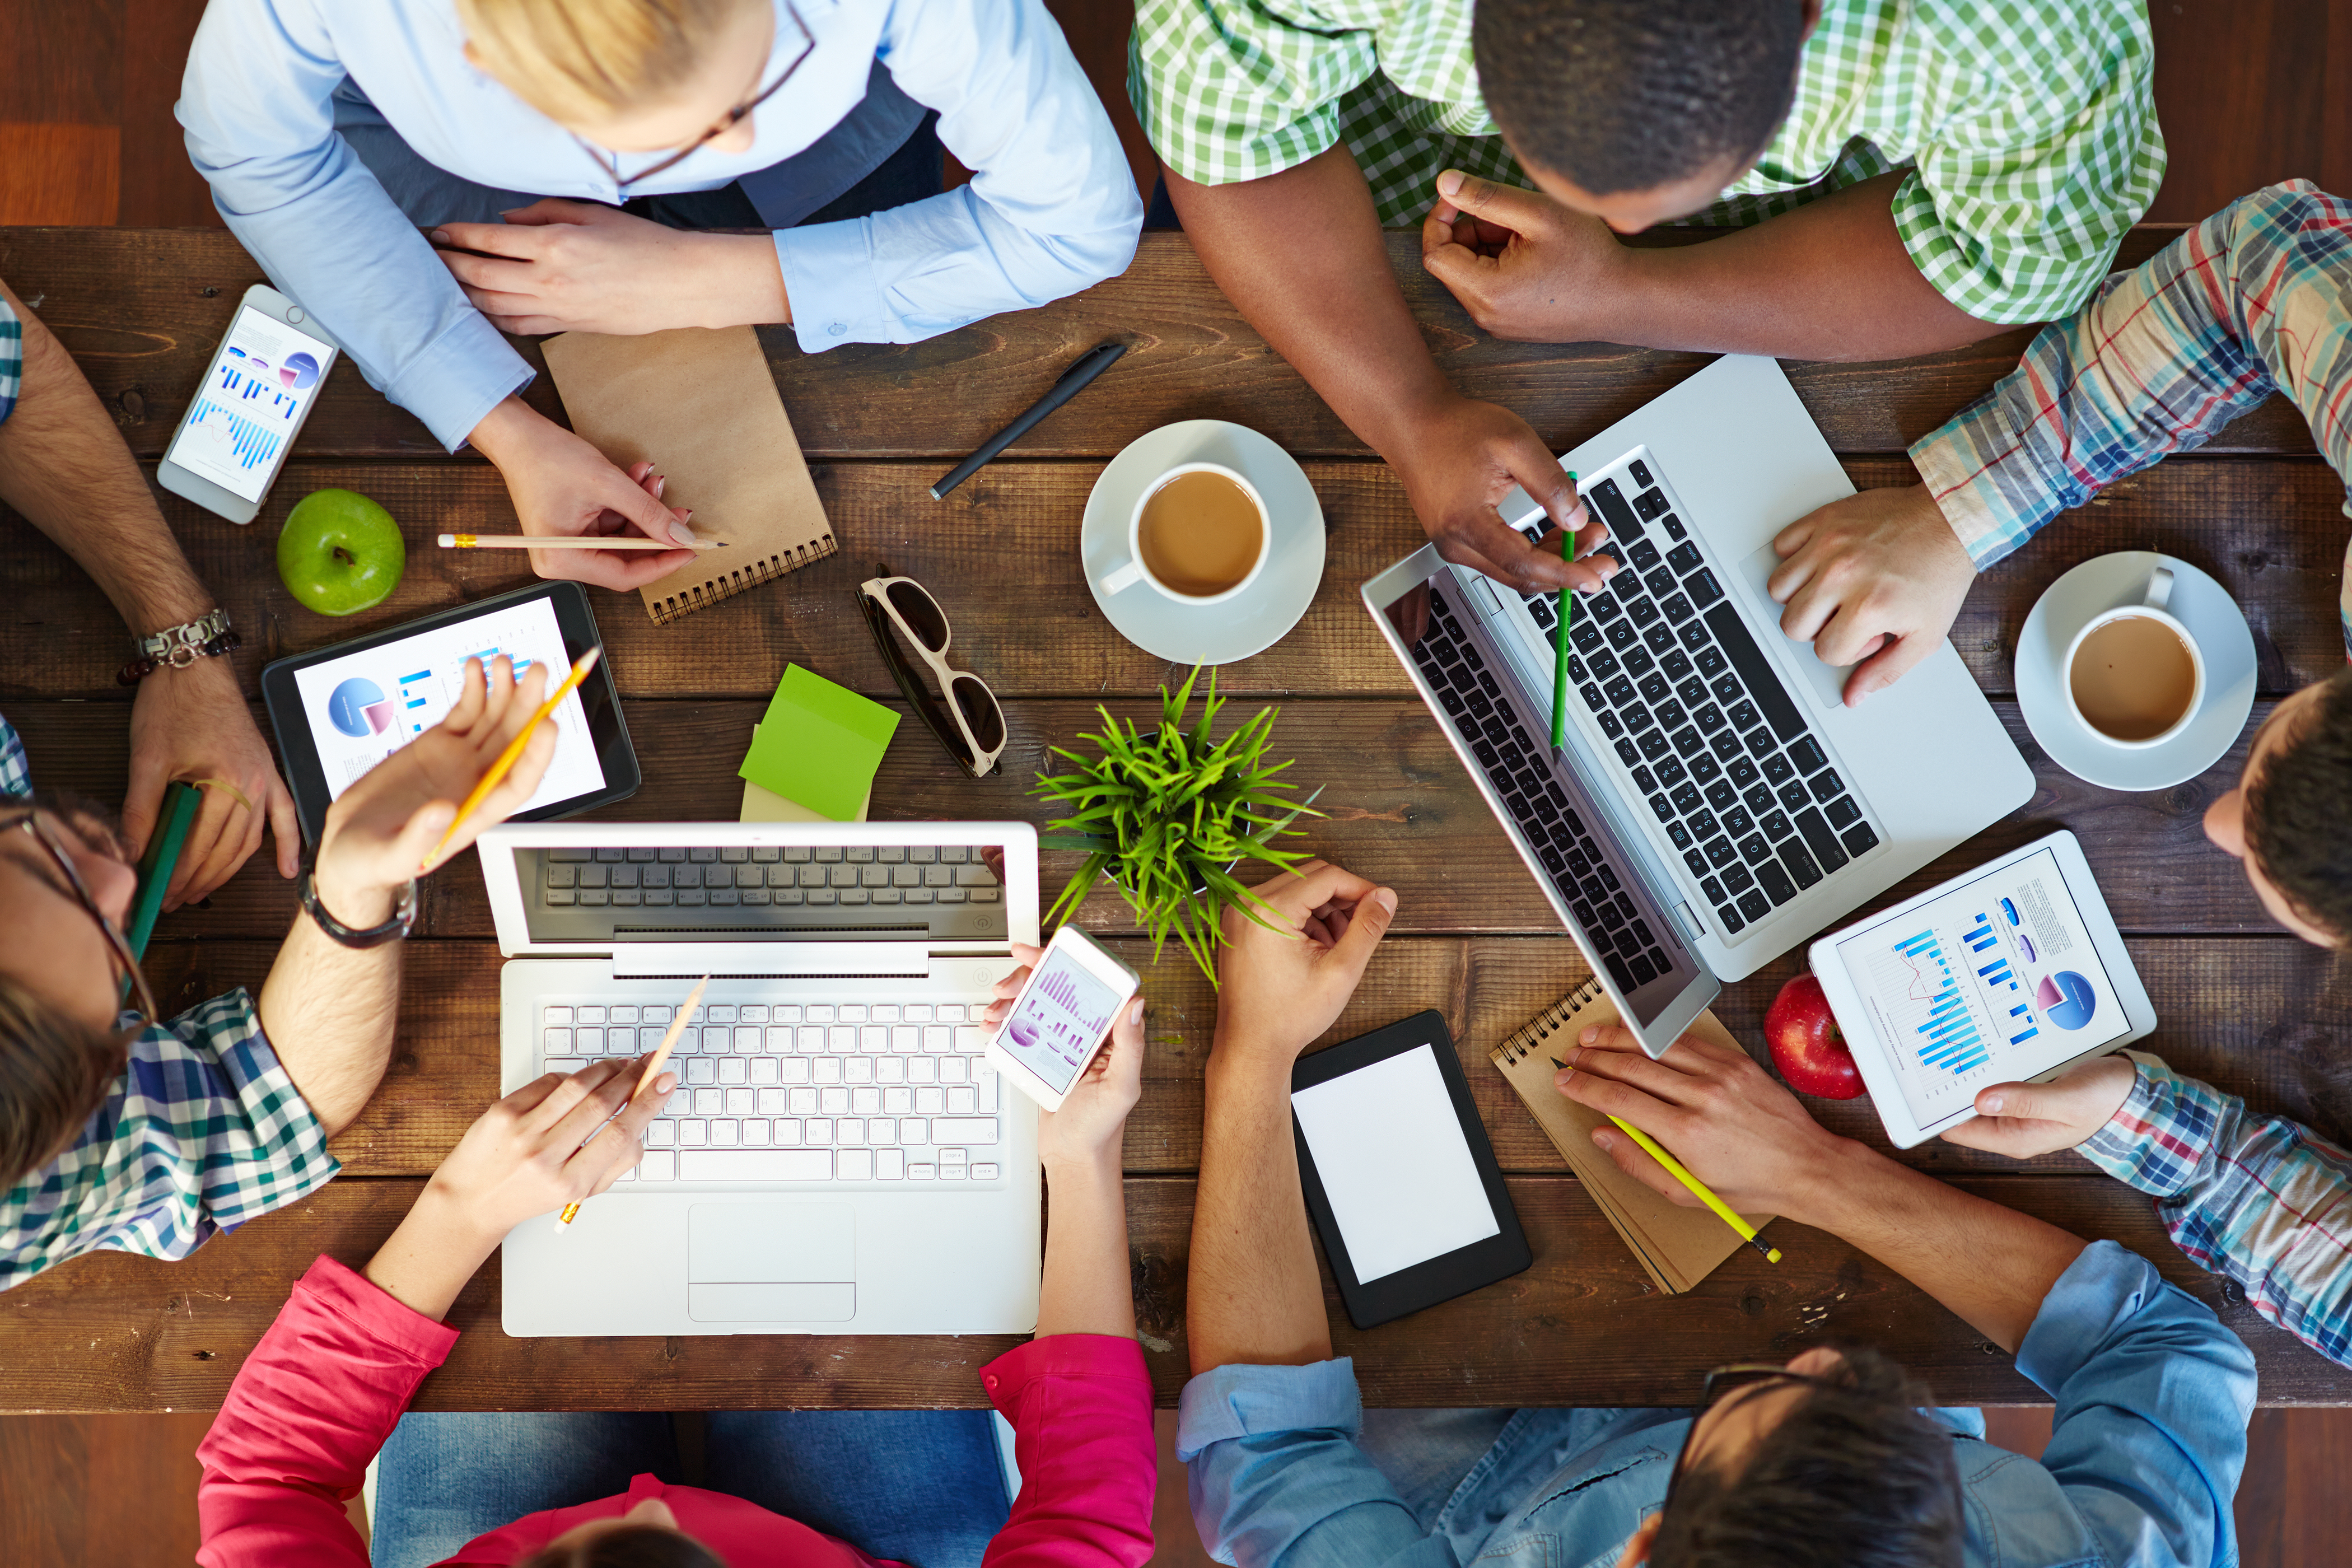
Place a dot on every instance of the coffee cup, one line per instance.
(2135, 678)
(1197, 534)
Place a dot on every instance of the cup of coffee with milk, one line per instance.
(1198, 536)
(2135, 676)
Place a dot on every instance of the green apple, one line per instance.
(340, 553)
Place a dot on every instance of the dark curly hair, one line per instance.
(1854, 1477)
(1627, 95)
(2299, 812)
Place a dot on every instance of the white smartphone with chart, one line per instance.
(259, 388)
(1061, 1017)
(2012, 972)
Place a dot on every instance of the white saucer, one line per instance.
(1241, 627)
(2110, 582)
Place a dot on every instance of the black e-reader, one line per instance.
(1399, 1179)
(339, 710)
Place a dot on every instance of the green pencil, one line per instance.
(172, 818)
(1563, 608)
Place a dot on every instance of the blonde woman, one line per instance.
(423, 174)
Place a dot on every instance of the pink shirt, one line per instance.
(326, 1385)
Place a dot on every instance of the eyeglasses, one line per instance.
(1732, 1379)
(128, 977)
(610, 164)
(976, 738)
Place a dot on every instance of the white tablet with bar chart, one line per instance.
(2011, 971)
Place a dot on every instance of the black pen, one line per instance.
(1090, 364)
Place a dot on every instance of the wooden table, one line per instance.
(142, 309)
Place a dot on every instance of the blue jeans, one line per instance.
(921, 1487)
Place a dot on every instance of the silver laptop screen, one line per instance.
(896, 892)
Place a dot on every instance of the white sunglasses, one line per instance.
(976, 738)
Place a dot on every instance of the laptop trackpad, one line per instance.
(782, 1262)
(1827, 680)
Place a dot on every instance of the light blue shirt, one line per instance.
(1051, 209)
(2152, 1393)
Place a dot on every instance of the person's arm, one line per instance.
(328, 1009)
(64, 466)
(1831, 280)
(2257, 1199)
(2255, 300)
(1745, 1136)
(324, 1388)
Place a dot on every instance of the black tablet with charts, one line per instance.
(1399, 1176)
(339, 710)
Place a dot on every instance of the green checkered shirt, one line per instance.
(2028, 129)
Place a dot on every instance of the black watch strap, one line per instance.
(403, 915)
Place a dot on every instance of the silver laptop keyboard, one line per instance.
(736, 876)
(1693, 708)
(804, 1090)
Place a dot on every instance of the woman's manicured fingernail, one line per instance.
(1605, 1142)
(683, 534)
(1589, 1035)
(1135, 1010)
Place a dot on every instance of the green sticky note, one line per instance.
(819, 744)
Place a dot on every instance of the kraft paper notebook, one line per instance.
(1677, 1246)
(702, 405)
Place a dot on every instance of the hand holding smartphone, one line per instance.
(1061, 1017)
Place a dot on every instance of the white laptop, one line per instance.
(1716, 803)
(838, 1158)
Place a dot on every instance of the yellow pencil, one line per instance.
(1698, 1189)
(506, 762)
(653, 1065)
(566, 542)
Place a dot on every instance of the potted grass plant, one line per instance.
(1168, 813)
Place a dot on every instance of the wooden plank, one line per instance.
(142, 309)
(1399, 807)
(1583, 1326)
(2279, 551)
(2256, 1016)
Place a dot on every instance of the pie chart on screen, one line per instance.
(348, 708)
(2065, 999)
(298, 371)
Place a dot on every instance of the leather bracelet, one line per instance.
(403, 916)
(207, 636)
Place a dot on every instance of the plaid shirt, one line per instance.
(2255, 300)
(203, 1132)
(12, 374)
(2028, 128)
(2256, 1199)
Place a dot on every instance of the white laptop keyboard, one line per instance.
(813, 1089)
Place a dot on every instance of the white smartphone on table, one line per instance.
(2012, 972)
(260, 386)
(1061, 1017)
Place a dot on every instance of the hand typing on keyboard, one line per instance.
(1086, 1131)
(1878, 577)
(557, 1139)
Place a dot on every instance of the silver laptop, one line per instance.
(1715, 804)
(838, 1158)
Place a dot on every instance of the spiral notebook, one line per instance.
(1676, 1247)
(702, 404)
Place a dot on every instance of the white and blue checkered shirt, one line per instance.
(203, 1132)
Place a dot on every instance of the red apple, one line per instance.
(1806, 1045)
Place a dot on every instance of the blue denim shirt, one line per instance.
(2152, 1396)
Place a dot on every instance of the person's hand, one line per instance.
(1086, 1129)
(555, 1141)
(558, 267)
(192, 724)
(1725, 1118)
(1461, 457)
(379, 833)
(1526, 268)
(560, 484)
(1281, 985)
(1876, 577)
(2022, 1120)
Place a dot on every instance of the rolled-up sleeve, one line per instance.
(1277, 1476)
(1052, 208)
(257, 108)
(2153, 1395)
(1080, 1406)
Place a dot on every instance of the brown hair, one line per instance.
(54, 1071)
(581, 61)
(632, 1546)
(2296, 808)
